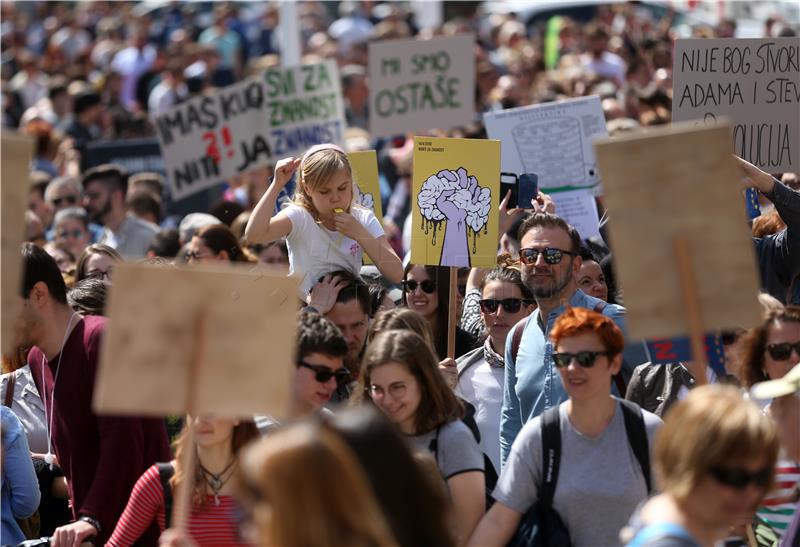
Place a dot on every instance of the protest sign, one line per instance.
(279, 113)
(365, 176)
(135, 155)
(579, 209)
(678, 350)
(16, 155)
(202, 340)
(664, 197)
(553, 140)
(416, 85)
(455, 197)
(755, 83)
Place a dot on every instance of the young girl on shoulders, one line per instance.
(325, 229)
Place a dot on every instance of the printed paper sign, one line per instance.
(455, 195)
(553, 140)
(135, 155)
(282, 112)
(579, 209)
(676, 350)
(755, 83)
(365, 176)
(417, 85)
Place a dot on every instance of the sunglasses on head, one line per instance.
(738, 478)
(510, 305)
(782, 351)
(529, 255)
(427, 286)
(586, 359)
(69, 200)
(322, 374)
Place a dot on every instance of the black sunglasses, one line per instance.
(782, 351)
(510, 305)
(586, 359)
(738, 478)
(323, 373)
(70, 200)
(427, 286)
(551, 255)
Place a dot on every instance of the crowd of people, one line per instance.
(543, 421)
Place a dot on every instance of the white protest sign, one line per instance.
(421, 84)
(553, 140)
(579, 209)
(753, 82)
(281, 112)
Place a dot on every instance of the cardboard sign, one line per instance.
(553, 140)
(217, 341)
(579, 209)
(755, 83)
(365, 176)
(455, 197)
(16, 157)
(657, 189)
(415, 85)
(135, 155)
(279, 113)
(675, 350)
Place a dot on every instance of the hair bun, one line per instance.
(505, 260)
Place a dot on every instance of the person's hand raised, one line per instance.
(754, 177)
(284, 170)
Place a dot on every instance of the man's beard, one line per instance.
(551, 290)
(98, 216)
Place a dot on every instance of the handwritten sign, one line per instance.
(754, 82)
(455, 198)
(676, 350)
(553, 140)
(579, 209)
(279, 113)
(421, 84)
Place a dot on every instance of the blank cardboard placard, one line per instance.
(16, 157)
(249, 323)
(679, 181)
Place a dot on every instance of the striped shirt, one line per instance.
(209, 525)
(778, 507)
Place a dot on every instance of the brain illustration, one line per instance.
(464, 192)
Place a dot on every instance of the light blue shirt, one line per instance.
(20, 489)
(532, 384)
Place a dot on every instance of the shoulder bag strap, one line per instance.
(637, 437)
(165, 472)
(551, 454)
(517, 339)
(9, 396)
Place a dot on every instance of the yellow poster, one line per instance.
(365, 176)
(455, 201)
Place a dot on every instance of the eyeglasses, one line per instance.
(586, 359)
(427, 286)
(782, 351)
(97, 274)
(551, 255)
(71, 233)
(738, 478)
(68, 200)
(323, 374)
(396, 390)
(510, 305)
(194, 255)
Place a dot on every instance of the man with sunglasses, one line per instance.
(65, 193)
(320, 370)
(550, 262)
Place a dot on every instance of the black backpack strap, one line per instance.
(637, 437)
(517, 339)
(551, 455)
(165, 472)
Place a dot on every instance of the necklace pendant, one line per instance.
(215, 484)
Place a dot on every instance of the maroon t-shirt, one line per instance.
(102, 456)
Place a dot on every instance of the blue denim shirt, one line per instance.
(20, 488)
(532, 384)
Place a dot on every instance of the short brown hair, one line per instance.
(547, 220)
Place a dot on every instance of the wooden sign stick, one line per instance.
(452, 320)
(183, 494)
(691, 299)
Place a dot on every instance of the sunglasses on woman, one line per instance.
(323, 374)
(427, 286)
(738, 478)
(71, 233)
(510, 305)
(551, 255)
(782, 351)
(586, 359)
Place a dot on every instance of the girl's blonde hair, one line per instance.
(317, 167)
(306, 487)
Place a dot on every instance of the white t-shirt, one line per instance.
(315, 251)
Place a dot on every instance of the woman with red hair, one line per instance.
(600, 472)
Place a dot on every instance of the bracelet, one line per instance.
(93, 521)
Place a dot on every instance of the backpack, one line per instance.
(165, 473)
